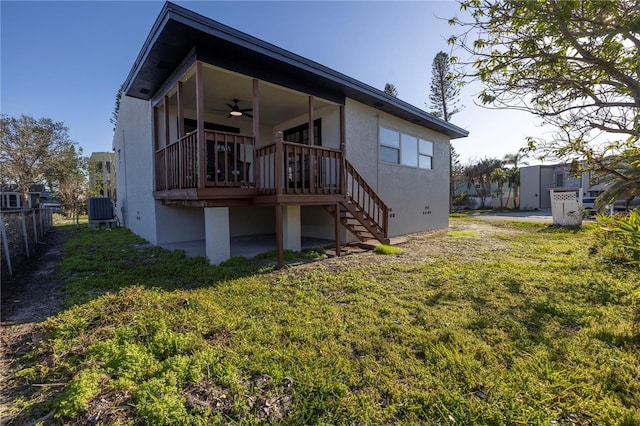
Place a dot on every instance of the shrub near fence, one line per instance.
(22, 230)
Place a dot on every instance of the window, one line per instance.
(404, 149)
(425, 154)
(300, 134)
(389, 146)
(409, 150)
(559, 180)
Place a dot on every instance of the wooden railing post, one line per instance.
(256, 128)
(343, 156)
(202, 149)
(279, 164)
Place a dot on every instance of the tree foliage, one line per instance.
(626, 165)
(116, 110)
(479, 175)
(573, 63)
(444, 89)
(390, 89)
(455, 170)
(36, 151)
(513, 174)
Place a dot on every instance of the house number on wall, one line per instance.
(427, 210)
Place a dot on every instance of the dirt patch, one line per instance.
(28, 297)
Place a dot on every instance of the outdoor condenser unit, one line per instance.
(100, 208)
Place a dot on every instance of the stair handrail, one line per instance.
(375, 209)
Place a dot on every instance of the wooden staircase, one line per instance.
(362, 213)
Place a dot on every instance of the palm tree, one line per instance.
(621, 176)
(513, 175)
(478, 175)
(500, 177)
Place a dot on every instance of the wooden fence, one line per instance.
(22, 231)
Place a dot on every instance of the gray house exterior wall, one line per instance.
(418, 198)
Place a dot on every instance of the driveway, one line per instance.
(543, 216)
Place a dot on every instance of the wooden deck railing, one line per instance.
(365, 198)
(176, 164)
(282, 168)
(292, 168)
(228, 158)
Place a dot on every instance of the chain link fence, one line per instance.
(22, 231)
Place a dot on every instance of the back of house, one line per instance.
(223, 137)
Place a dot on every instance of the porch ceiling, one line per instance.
(221, 87)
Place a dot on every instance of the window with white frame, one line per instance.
(389, 146)
(404, 149)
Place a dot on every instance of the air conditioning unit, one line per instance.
(100, 208)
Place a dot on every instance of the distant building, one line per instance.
(10, 196)
(102, 174)
(536, 181)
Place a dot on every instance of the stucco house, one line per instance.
(537, 181)
(102, 174)
(222, 136)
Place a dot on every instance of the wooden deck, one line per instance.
(234, 169)
(227, 169)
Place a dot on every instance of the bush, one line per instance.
(619, 236)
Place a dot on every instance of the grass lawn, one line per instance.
(486, 323)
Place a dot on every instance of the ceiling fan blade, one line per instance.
(229, 116)
(231, 106)
(248, 115)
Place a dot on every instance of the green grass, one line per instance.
(387, 249)
(523, 327)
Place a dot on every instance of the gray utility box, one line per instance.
(100, 208)
(101, 213)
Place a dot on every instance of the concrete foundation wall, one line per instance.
(251, 220)
(317, 222)
(178, 224)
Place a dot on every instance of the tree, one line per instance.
(479, 176)
(444, 90)
(455, 169)
(35, 151)
(390, 89)
(622, 181)
(116, 110)
(444, 98)
(499, 176)
(68, 177)
(573, 63)
(513, 174)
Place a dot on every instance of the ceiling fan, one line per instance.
(236, 111)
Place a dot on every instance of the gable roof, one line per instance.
(179, 33)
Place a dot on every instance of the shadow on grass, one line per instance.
(97, 262)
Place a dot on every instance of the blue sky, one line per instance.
(66, 60)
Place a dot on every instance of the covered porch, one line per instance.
(223, 139)
(224, 135)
